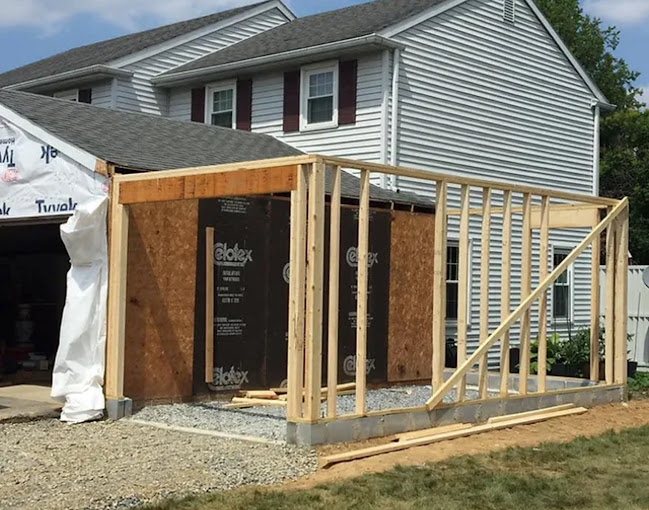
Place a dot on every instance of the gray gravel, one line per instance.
(270, 422)
(48, 465)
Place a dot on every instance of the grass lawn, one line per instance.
(606, 472)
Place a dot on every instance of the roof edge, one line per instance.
(98, 71)
(176, 78)
(201, 32)
(83, 158)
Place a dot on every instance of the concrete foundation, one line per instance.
(566, 391)
(116, 409)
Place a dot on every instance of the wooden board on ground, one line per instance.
(424, 441)
(265, 394)
(409, 436)
(507, 417)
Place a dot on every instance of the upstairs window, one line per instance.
(319, 93)
(509, 10)
(562, 289)
(452, 279)
(220, 105)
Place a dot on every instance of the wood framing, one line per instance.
(485, 259)
(506, 267)
(209, 305)
(439, 282)
(543, 305)
(621, 297)
(526, 287)
(609, 347)
(334, 281)
(594, 310)
(463, 286)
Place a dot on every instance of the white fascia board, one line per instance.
(82, 157)
(196, 34)
(178, 77)
(449, 4)
(100, 70)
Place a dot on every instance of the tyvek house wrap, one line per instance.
(37, 181)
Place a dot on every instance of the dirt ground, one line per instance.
(596, 421)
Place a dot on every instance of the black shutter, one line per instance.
(85, 96)
(198, 105)
(244, 105)
(291, 101)
(347, 91)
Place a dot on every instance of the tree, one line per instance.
(624, 132)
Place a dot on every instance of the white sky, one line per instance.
(619, 11)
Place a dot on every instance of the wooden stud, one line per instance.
(485, 259)
(334, 280)
(209, 305)
(362, 291)
(439, 286)
(506, 267)
(524, 306)
(543, 306)
(463, 287)
(621, 298)
(314, 292)
(594, 311)
(117, 279)
(297, 295)
(526, 288)
(609, 346)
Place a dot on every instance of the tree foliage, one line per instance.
(625, 131)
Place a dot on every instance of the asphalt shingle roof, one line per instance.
(106, 51)
(151, 142)
(327, 27)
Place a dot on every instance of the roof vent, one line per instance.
(509, 10)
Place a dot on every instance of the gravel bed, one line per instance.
(49, 465)
(270, 422)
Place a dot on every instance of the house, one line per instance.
(478, 88)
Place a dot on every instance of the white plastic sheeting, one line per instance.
(79, 366)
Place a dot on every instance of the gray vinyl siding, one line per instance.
(484, 98)
(359, 141)
(138, 94)
(102, 94)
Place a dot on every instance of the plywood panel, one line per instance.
(411, 297)
(160, 300)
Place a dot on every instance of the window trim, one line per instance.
(564, 249)
(455, 241)
(210, 89)
(305, 73)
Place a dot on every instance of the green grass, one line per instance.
(606, 472)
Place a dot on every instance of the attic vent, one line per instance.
(509, 10)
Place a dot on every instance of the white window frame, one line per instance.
(209, 100)
(305, 73)
(455, 241)
(68, 95)
(571, 284)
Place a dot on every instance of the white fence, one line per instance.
(638, 311)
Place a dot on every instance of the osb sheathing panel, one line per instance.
(411, 297)
(160, 300)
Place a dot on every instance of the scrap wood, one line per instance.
(242, 402)
(324, 397)
(265, 394)
(404, 445)
(416, 434)
(498, 419)
(340, 387)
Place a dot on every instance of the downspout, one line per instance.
(394, 160)
(385, 105)
(596, 149)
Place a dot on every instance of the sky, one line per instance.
(34, 29)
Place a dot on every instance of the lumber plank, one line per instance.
(485, 260)
(209, 305)
(237, 183)
(334, 283)
(526, 288)
(314, 291)
(265, 394)
(362, 291)
(439, 285)
(609, 346)
(543, 304)
(424, 441)
(258, 402)
(594, 310)
(567, 217)
(505, 290)
(409, 436)
(524, 305)
(545, 410)
(621, 298)
(463, 286)
(297, 290)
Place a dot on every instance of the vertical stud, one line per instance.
(484, 287)
(439, 284)
(334, 280)
(505, 290)
(463, 286)
(526, 289)
(543, 306)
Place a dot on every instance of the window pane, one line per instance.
(558, 259)
(321, 84)
(223, 100)
(452, 257)
(561, 306)
(320, 110)
(222, 119)
(451, 300)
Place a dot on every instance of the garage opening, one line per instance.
(33, 268)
